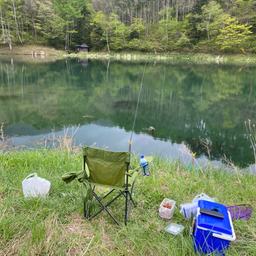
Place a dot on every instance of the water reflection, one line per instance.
(186, 104)
(83, 62)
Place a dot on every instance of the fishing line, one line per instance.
(135, 116)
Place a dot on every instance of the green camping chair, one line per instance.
(106, 169)
(109, 169)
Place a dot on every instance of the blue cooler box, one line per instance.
(213, 229)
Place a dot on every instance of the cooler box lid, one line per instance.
(220, 225)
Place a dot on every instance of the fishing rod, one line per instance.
(135, 116)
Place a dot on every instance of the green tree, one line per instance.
(119, 31)
(232, 35)
(209, 18)
(166, 26)
(68, 11)
(49, 23)
(101, 20)
(83, 26)
(137, 25)
(245, 12)
(194, 18)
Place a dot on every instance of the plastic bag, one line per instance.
(35, 186)
(166, 209)
(190, 209)
(203, 196)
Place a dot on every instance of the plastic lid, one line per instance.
(174, 228)
(142, 156)
(212, 223)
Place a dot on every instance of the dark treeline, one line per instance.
(227, 26)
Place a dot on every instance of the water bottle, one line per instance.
(144, 165)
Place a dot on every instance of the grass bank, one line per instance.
(55, 226)
(43, 53)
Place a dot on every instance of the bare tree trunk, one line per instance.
(67, 37)
(33, 23)
(107, 41)
(22, 28)
(2, 23)
(17, 27)
(9, 38)
(183, 11)
(177, 10)
(208, 35)
(167, 24)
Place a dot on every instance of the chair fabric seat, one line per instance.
(107, 168)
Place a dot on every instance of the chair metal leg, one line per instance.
(131, 194)
(126, 207)
(87, 214)
(88, 209)
(106, 204)
(108, 193)
(130, 200)
(104, 208)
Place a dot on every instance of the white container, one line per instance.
(164, 212)
(35, 186)
(174, 228)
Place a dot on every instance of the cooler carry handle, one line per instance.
(226, 237)
(212, 213)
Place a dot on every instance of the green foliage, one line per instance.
(137, 25)
(209, 18)
(96, 38)
(134, 34)
(134, 44)
(233, 35)
(161, 29)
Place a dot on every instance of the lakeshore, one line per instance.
(40, 53)
(55, 225)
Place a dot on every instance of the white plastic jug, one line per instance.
(35, 186)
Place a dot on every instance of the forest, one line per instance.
(155, 26)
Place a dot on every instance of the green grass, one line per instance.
(55, 225)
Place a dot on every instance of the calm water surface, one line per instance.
(186, 103)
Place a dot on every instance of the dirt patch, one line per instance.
(78, 227)
(29, 50)
(31, 53)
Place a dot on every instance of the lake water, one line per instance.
(186, 103)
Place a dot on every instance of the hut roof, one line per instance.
(84, 45)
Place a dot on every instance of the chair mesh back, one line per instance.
(106, 167)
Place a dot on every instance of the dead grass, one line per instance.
(27, 50)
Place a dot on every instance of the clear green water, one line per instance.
(185, 103)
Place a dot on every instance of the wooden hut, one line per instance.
(82, 48)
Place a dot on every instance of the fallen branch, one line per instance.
(186, 38)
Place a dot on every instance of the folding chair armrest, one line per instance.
(132, 171)
(134, 175)
(149, 159)
(82, 177)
